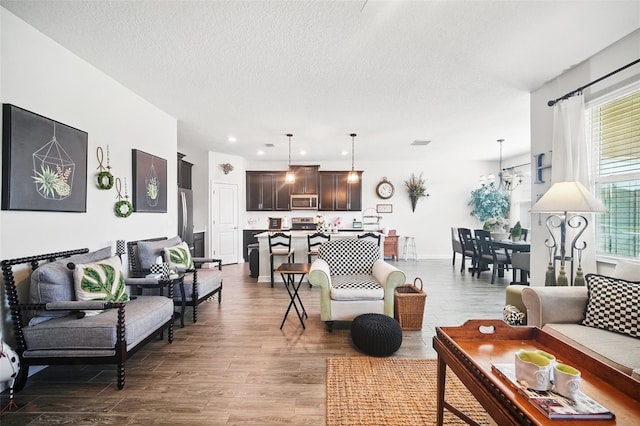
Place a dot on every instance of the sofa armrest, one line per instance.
(388, 275)
(319, 274)
(554, 304)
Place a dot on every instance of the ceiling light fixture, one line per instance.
(353, 176)
(290, 177)
(508, 180)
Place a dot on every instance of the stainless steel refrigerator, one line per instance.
(185, 216)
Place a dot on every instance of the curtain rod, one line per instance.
(580, 89)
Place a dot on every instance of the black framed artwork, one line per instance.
(44, 163)
(149, 182)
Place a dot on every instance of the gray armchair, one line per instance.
(200, 283)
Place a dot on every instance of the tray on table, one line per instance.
(471, 349)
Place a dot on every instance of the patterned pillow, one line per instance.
(512, 315)
(613, 304)
(101, 280)
(178, 257)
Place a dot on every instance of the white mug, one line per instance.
(566, 380)
(533, 370)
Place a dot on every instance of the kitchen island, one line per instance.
(299, 244)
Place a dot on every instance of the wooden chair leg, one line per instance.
(271, 262)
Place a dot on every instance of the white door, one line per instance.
(224, 229)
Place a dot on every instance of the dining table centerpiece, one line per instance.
(498, 226)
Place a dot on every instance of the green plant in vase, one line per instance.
(516, 232)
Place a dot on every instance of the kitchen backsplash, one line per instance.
(259, 220)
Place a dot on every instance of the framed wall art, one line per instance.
(149, 182)
(44, 163)
(384, 208)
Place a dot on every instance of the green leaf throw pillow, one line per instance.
(178, 257)
(102, 280)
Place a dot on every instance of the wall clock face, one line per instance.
(385, 189)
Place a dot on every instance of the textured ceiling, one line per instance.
(457, 73)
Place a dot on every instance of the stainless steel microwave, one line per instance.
(304, 202)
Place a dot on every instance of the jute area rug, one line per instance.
(392, 391)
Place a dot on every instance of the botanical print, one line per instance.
(44, 163)
(150, 182)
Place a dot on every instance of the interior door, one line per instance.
(224, 227)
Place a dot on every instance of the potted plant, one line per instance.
(416, 188)
(488, 201)
(516, 232)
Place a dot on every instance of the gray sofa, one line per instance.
(54, 327)
(560, 311)
(200, 283)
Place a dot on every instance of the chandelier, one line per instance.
(508, 180)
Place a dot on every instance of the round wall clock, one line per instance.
(385, 189)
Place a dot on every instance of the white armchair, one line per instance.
(353, 280)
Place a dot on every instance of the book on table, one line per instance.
(554, 405)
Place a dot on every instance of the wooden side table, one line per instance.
(288, 272)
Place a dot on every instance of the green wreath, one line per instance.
(105, 180)
(128, 208)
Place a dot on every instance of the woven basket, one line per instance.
(409, 304)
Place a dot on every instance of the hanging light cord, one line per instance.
(289, 136)
(353, 136)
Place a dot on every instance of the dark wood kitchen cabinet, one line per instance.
(184, 172)
(267, 191)
(306, 179)
(337, 194)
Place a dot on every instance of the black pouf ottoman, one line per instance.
(376, 334)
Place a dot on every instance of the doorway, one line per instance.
(224, 226)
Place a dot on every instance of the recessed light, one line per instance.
(344, 152)
(232, 139)
(303, 152)
(260, 152)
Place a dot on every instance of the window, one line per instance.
(613, 126)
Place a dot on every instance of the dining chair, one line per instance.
(489, 256)
(469, 249)
(371, 235)
(280, 245)
(521, 261)
(313, 242)
(456, 245)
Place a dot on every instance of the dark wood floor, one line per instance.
(235, 366)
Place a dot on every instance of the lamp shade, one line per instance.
(568, 197)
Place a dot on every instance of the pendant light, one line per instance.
(290, 177)
(353, 176)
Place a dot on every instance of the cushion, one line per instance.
(148, 251)
(612, 304)
(512, 315)
(53, 282)
(355, 287)
(347, 256)
(178, 257)
(627, 270)
(101, 280)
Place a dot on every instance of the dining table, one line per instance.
(514, 246)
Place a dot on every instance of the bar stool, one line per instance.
(280, 245)
(409, 248)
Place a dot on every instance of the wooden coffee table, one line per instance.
(469, 351)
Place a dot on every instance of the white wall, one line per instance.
(39, 75)
(609, 59)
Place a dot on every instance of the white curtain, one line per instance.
(569, 152)
(570, 162)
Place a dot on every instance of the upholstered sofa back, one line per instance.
(349, 256)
